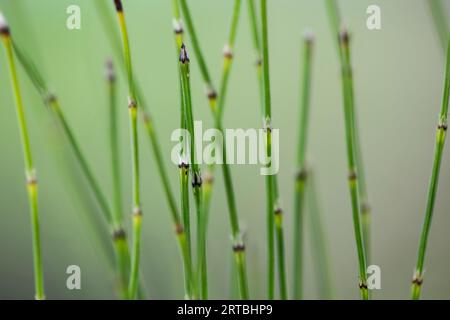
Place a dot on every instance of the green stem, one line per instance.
(440, 21)
(238, 246)
(113, 142)
(269, 178)
(32, 184)
(352, 162)
(433, 185)
(357, 179)
(53, 104)
(301, 180)
(133, 111)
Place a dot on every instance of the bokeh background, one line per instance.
(398, 74)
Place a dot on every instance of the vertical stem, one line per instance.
(438, 12)
(32, 184)
(238, 245)
(302, 175)
(433, 185)
(269, 178)
(133, 108)
(359, 197)
(49, 99)
(352, 164)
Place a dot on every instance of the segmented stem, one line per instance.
(133, 111)
(433, 185)
(31, 182)
(302, 175)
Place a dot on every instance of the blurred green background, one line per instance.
(398, 72)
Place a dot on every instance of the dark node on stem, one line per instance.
(344, 37)
(183, 165)
(197, 180)
(239, 247)
(442, 126)
(227, 52)
(258, 62)
(137, 212)
(4, 28)
(32, 181)
(178, 27)
(132, 103)
(308, 36)
(417, 280)
(109, 71)
(362, 285)
(119, 6)
(212, 94)
(365, 207)
(184, 57)
(267, 125)
(179, 229)
(352, 176)
(119, 234)
(302, 175)
(278, 211)
(50, 98)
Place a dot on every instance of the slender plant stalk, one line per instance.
(352, 163)
(238, 244)
(440, 21)
(269, 178)
(52, 101)
(113, 141)
(433, 185)
(360, 206)
(302, 175)
(122, 259)
(133, 112)
(277, 211)
(335, 19)
(107, 23)
(32, 184)
(319, 242)
(184, 65)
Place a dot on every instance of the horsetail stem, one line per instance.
(356, 166)
(238, 246)
(133, 111)
(31, 178)
(51, 100)
(184, 65)
(210, 91)
(151, 134)
(269, 179)
(302, 175)
(440, 21)
(277, 211)
(335, 21)
(344, 40)
(113, 143)
(433, 185)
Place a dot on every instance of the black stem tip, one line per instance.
(119, 6)
(344, 37)
(184, 57)
(4, 28)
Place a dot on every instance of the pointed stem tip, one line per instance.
(344, 36)
(4, 28)
(119, 6)
(184, 57)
